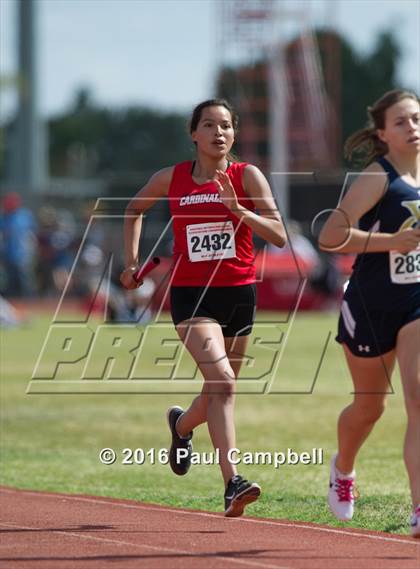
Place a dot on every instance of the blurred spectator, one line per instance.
(326, 279)
(320, 268)
(139, 302)
(103, 293)
(17, 246)
(9, 317)
(56, 241)
(91, 220)
(297, 244)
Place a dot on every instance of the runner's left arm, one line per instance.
(268, 224)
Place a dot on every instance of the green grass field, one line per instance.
(52, 442)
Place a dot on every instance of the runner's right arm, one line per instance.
(340, 235)
(156, 188)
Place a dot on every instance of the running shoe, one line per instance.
(181, 447)
(239, 493)
(415, 523)
(341, 493)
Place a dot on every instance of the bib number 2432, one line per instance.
(211, 241)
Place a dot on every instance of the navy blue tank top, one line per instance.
(389, 281)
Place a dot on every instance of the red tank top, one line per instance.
(211, 246)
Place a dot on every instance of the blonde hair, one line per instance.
(366, 140)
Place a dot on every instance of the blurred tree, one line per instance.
(89, 140)
(363, 78)
(352, 81)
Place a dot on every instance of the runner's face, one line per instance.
(402, 130)
(214, 134)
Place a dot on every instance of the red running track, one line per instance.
(61, 531)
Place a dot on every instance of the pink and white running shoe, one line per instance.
(341, 493)
(415, 523)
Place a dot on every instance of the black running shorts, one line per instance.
(233, 307)
(371, 333)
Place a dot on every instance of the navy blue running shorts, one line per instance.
(371, 333)
(233, 307)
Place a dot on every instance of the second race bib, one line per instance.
(405, 269)
(211, 241)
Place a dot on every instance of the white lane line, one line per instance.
(210, 515)
(144, 545)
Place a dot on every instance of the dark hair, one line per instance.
(196, 114)
(366, 140)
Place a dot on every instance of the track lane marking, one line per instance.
(408, 541)
(154, 547)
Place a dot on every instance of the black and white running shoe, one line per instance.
(239, 493)
(181, 447)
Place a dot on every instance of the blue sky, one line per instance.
(165, 52)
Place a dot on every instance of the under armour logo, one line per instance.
(364, 348)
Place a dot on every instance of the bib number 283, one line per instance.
(211, 241)
(405, 269)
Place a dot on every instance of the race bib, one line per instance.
(405, 269)
(211, 241)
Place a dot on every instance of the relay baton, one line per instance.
(145, 269)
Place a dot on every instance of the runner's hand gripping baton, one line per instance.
(145, 269)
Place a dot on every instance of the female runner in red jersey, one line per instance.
(212, 203)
